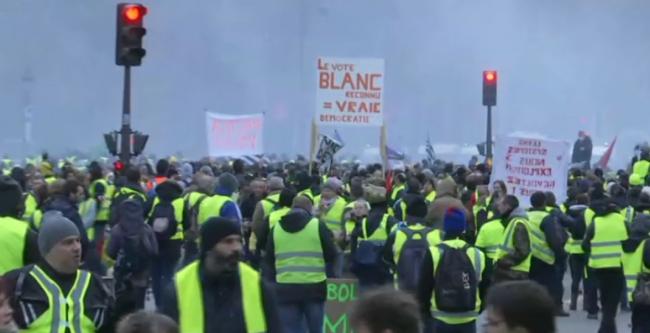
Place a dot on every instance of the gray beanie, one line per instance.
(55, 228)
(276, 184)
(228, 182)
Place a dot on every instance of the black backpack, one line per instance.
(163, 220)
(135, 254)
(410, 260)
(369, 252)
(116, 202)
(456, 280)
(641, 293)
(191, 215)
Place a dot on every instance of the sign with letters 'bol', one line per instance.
(350, 91)
(529, 165)
(234, 135)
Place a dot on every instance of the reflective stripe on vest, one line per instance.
(299, 255)
(540, 247)
(606, 248)
(57, 317)
(190, 299)
(478, 261)
(430, 197)
(12, 243)
(508, 246)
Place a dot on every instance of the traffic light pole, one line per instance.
(125, 131)
(488, 141)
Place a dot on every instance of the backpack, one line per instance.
(641, 293)
(456, 281)
(410, 260)
(192, 217)
(116, 202)
(136, 252)
(163, 220)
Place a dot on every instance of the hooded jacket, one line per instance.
(447, 197)
(578, 228)
(521, 245)
(294, 222)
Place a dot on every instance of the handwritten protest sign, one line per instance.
(229, 135)
(350, 91)
(341, 294)
(528, 165)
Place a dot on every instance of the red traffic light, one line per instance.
(134, 13)
(118, 166)
(490, 76)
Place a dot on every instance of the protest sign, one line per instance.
(341, 294)
(234, 136)
(350, 91)
(528, 165)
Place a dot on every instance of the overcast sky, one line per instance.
(563, 66)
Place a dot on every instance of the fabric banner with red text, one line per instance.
(230, 135)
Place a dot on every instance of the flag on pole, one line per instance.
(338, 138)
(431, 154)
(394, 154)
(604, 160)
(327, 148)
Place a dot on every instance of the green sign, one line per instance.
(341, 294)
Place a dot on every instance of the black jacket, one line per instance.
(582, 151)
(293, 222)
(578, 228)
(375, 216)
(222, 305)
(639, 231)
(71, 212)
(97, 303)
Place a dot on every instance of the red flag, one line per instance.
(389, 181)
(604, 160)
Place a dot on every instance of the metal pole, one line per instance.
(125, 131)
(488, 141)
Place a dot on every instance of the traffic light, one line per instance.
(118, 167)
(111, 142)
(138, 142)
(489, 88)
(128, 49)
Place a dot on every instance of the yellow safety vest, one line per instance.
(105, 207)
(606, 248)
(36, 219)
(433, 237)
(396, 192)
(641, 168)
(478, 260)
(211, 207)
(430, 197)
(589, 216)
(83, 209)
(190, 299)
(490, 237)
(30, 206)
(178, 215)
(334, 216)
(269, 203)
(299, 256)
(129, 192)
(632, 266)
(507, 245)
(379, 235)
(277, 215)
(541, 249)
(349, 224)
(12, 243)
(65, 312)
(315, 199)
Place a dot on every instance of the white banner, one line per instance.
(350, 91)
(234, 136)
(530, 165)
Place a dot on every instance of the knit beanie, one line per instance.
(417, 208)
(214, 230)
(54, 228)
(454, 222)
(333, 184)
(228, 182)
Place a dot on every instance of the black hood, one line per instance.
(640, 228)
(296, 220)
(604, 206)
(169, 190)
